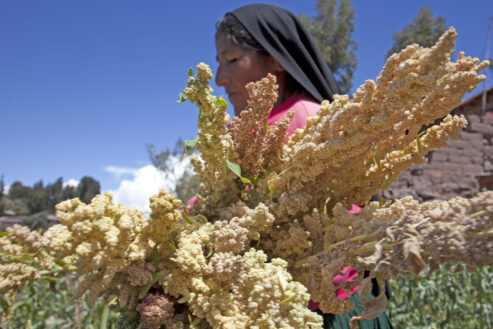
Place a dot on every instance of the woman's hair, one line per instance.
(238, 34)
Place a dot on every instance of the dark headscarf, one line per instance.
(287, 40)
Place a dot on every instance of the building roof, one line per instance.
(473, 105)
(470, 98)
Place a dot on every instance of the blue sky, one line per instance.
(85, 85)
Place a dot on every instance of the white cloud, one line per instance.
(119, 171)
(6, 189)
(71, 182)
(147, 181)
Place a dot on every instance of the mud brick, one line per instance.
(483, 128)
(458, 144)
(477, 145)
(435, 176)
(451, 152)
(473, 119)
(463, 160)
(452, 158)
(429, 166)
(438, 157)
(449, 187)
(444, 152)
(427, 195)
(487, 120)
(488, 152)
(468, 136)
(422, 183)
(471, 152)
(452, 168)
(477, 160)
(405, 176)
(472, 169)
(400, 193)
(449, 177)
(399, 185)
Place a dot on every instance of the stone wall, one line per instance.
(451, 171)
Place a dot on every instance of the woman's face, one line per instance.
(237, 67)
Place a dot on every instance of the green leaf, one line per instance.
(236, 169)
(48, 278)
(195, 322)
(4, 234)
(379, 280)
(221, 102)
(145, 289)
(418, 141)
(113, 301)
(171, 245)
(190, 144)
(245, 180)
(186, 218)
(5, 305)
(190, 71)
(183, 98)
(270, 187)
(289, 299)
(209, 254)
(104, 317)
(386, 181)
(155, 256)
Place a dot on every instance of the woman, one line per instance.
(255, 40)
(258, 39)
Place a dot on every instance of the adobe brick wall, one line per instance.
(451, 171)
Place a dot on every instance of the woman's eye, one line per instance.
(232, 60)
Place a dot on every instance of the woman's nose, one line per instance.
(222, 78)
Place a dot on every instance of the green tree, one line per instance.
(38, 199)
(87, 189)
(160, 160)
(332, 30)
(425, 30)
(187, 186)
(2, 190)
(18, 191)
(55, 193)
(69, 192)
(37, 220)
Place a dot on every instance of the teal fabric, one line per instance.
(341, 321)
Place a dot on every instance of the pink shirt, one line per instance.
(303, 107)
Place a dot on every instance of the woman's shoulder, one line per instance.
(303, 106)
(301, 103)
